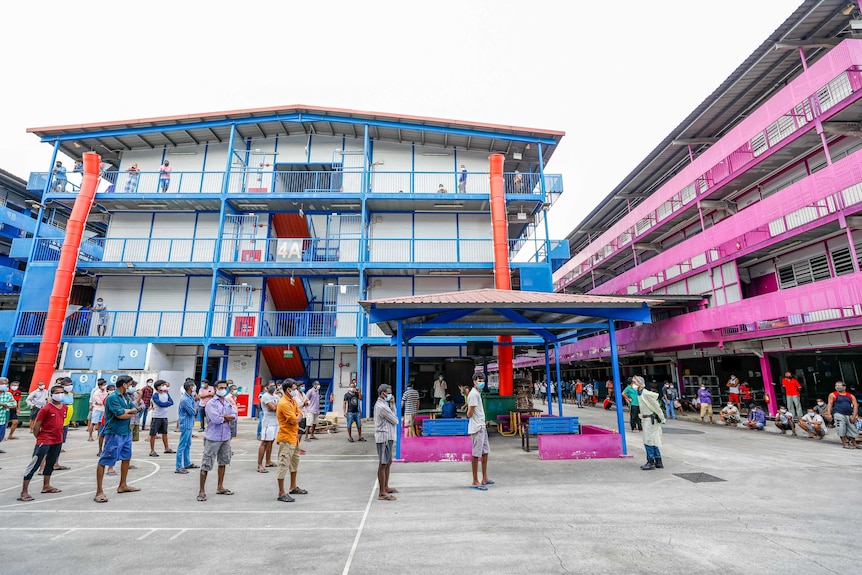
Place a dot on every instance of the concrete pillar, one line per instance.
(768, 385)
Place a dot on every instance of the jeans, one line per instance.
(353, 418)
(652, 452)
(669, 411)
(184, 449)
(144, 418)
(634, 417)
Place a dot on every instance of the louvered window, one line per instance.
(804, 272)
(842, 260)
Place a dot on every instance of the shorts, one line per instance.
(409, 419)
(116, 448)
(312, 418)
(158, 426)
(13, 414)
(268, 433)
(705, 409)
(384, 452)
(354, 418)
(480, 443)
(843, 426)
(288, 459)
(218, 450)
(96, 416)
(47, 453)
(734, 397)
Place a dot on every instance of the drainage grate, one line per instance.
(699, 477)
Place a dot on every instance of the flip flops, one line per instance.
(262, 471)
(386, 498)
(182, 471)
(193, 466)
(170, 451)
(489, 482)
(28, 498)
(53, 490)
(285, 499)
(270, 464)
(479, 487)
(100, 498)
(298, 491)
(224, 492)
(202, 497)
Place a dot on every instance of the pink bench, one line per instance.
(437, 448)
(591, 443)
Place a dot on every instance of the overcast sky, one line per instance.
(617, 77)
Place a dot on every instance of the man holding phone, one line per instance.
(119, 411)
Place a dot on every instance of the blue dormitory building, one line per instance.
(238, 244)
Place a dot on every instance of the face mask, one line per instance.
(58, 397)
(317, 386)
(221, 392)
(819, 403)
(389, 397)
(68, 399)
(41, 386)
(270, 390)
(480, 385)
(4, 388)
(14, 387)
(294, 393)
(351, 390)
(67, 388)
(783, 411)
(839, 389)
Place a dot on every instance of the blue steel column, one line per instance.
(399, 376)
(559, 378)
(362, 378)
(33, 247)
(548, 382)
(217, 252)
(545, 215)
(615, 368)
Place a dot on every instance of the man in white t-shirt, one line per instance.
(812, 424)
(439, 390)
(478, 433)
(268, 427)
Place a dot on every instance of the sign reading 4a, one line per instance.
(289, 250)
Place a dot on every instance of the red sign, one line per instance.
(243, 326)
(242, 405)
(250, 255)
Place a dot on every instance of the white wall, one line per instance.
(240, 367)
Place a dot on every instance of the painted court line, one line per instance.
(359, 530)
(177, 511)
(67, 530)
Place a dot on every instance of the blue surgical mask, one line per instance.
(480, 385)
(221, 392)
(68, 399)
(389, 397)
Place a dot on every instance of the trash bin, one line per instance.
(80, 407)
(23, 410)
(495, 405)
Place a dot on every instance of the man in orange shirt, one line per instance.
(579, 393)
(288, 414)
(791, 389)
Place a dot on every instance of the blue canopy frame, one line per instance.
(529, 317)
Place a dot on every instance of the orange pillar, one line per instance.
(502, 277)
(50, 345)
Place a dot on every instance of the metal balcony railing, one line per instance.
(192, 324)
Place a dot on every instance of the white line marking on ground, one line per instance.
(67, 530)
(181, 512)
(55, 474)
(359, 530)
(147, 476)
(172, 537)
(62, 534)
(147, 534)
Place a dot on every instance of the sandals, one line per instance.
(262, 471)
(170, 451)
(62, 468)
(53, 490)
(28, 498)
(386, 497)
(224, 492)
(193, 466)
(182, 471)
(298, 491)
(350, 439)
(479, 487)
(100, 498)
(361, 439)
(111, 473)
(154, 454)
(285, 499)
(271, 464)
(202, 497)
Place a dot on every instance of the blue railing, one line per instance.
(86, 323)
(253, 181)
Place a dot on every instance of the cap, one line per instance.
(383, 387)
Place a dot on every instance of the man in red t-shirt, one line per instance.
(48, 429)
(791, 389)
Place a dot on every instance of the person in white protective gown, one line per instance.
(652, 417)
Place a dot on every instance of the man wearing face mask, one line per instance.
(478, 433)
(652, 416)
(15, 390)
(268, 427)
(205, 394)
(48, 429)
(351, 411)
(784, 421)
(217, 439)
(7, 403)
(312, 411)
(385, 432)
(147, 401)
(288, 414)
(68, 401)
(159, 422)
(97, 406)
(822, 409)
(119, 411)
(102, 309)
(844, 410)
(187, 413)
(37, 400)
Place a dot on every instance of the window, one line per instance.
(804, 272)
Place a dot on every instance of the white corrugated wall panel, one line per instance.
(121, 295)
(196, 304)
(128, 237)
(206, 231)
(426, 286)
(164, 299)
(172, 235)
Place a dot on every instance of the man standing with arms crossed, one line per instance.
(118, 438)
(219, 414)
(312, 411)
(478, 433)
(288, 413)
(844, 409)
(385, 428)
(186, 421)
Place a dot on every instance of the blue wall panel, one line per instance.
(37, 286)
(536, 277)
(106, 356)
(78, 356)
(83, 382)
(132, 356)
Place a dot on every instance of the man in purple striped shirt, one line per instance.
(219, 413)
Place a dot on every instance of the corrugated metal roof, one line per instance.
(514, 298)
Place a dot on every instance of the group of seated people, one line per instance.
(814, 422)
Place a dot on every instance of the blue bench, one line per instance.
(440, 427)
(564, 425)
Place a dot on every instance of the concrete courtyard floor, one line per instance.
(784, 504)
